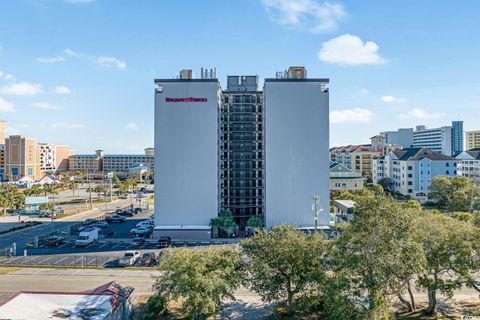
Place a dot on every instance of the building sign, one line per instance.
(187, 99)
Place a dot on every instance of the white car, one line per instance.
(100, 224)
(146, 223)
(141, 231)
(130, 258)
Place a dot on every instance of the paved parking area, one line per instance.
(58, 261)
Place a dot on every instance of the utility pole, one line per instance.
(316, 209)
(89, 190)
(110, 176)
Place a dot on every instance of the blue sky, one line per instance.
(80, 72)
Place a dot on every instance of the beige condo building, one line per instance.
(472, 139)
(22, 158)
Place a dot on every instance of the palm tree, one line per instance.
(35, 190)
(51, 189)
(9, 197)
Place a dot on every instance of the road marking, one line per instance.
(75, 273)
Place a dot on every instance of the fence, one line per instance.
(56, 261)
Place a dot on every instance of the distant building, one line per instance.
(22, 158)
(3, 131)
(343, 210)
(88, 163)
(358, 158)
(472, 139)
(343, 178)
(122, 164)
(402, 137)
(112, 301)
(469, 164)
(150, 151)
(411, 170)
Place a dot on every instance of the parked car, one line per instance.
(148, 259)
(137, 210)
(138, 242)
(87, 237)
(118, 211)
(141, 231)
(100, 224)
(130, 258)
(112, 264)
(115, 219)
(126, 213)
(163, 242)
(54, 241)
(88, 222)
(146, 223)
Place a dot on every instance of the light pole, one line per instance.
(316, 209)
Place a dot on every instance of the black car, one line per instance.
(54, 241)
(118, 211)
(127, 213)
(164, 242)
(138, 242)
(112, 264)
(137, 210)
(115, 218)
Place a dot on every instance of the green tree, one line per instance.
(453, 193)
(284, 263)
(155, 308)
(377, 252)
(387, 184)
(7, 194)
(51, 189)
(35, 190)
(224, 223)
(255, 222)
(451, 248)
(203, 279)
(122, 186)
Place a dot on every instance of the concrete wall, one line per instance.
(297, 150)
(186, 135)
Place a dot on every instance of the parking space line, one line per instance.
(58, 262)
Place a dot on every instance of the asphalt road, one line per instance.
(24, 236)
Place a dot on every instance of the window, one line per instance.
(30, 171)
(14, 171)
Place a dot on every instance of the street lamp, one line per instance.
(316, 209)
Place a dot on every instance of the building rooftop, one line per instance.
(415, 154)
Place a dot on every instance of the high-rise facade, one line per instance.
(3, 131)
(22, 158)
(241, 149)
(457, 137)
(256, 153)
(472, 139)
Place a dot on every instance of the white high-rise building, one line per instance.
(218, 150)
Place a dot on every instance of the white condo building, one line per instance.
(256, 153)
(469, 164)
(411, 170)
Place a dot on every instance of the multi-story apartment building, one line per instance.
(411, 170)
(469, 164)
(2, 162)
(357, 158)
(22, 158)
(472, 139)
(256, 153)
(3, 131)
(122, 164)
(47, 157)
(342, 178)
(402, 137)
(447, 140)
(241, 149)
(88, 163)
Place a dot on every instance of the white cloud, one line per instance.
(313, 15)
(350, 50)
(62, 90)
(364, 91)
(65, 125)
(132, 126)
(6, 106)
(44, 106)
(392, 99)
(71, 53)
(356, 115)
(22, 89)
(51, 59)
(417, 113)
(111, 62)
